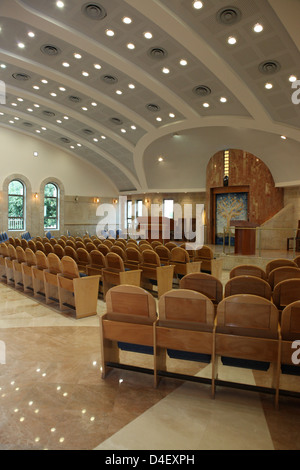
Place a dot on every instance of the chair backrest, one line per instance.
(277, 263)
(131, 240)
(59, 250)
(204, 283)
(179, 255)
(48, 248)
(12, 252)
(71, 252)
(248, 285)
(163, 252)
(133, 255)
(170, 245)
(247, 315)
(39, 246)
(83, 255)
(108, 243)
(130, 303)
(145, 246)
(90, 247)
(150, 258)
(4, 250)
(53, 241)
(21, 258)
(205, 252)
(41, 260)
(97, 259)
(69, 268)
(61, 242)
(114, 261)
(103, 249)
(18, 242)
(30, 257)
(283, 273)
(186, 309)
(144, 242)
(24, 243)
(156, 243)
(286, 292)
(119, 251)
(54, 263)
(248, 270)
(290, 322)
(71, 243)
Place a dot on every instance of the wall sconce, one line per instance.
(76, 199)
(35, 195)
(96, 200)
(115, 201)
(147, 201)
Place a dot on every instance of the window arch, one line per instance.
(16, 205)
(51, 206)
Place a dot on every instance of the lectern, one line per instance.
(245, 237)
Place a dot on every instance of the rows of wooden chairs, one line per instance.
(58, 280)
(186, 325)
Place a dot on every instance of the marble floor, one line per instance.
(52, 396)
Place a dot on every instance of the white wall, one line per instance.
(78, 177)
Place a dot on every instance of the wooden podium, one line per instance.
(245, 237)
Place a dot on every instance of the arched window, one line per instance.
(16, 205)
(51, 205)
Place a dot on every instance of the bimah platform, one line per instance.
(245, 237)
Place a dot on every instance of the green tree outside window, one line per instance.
(51, 206)
(16, 205)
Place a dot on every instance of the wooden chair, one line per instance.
(39, 246)
(71, 243)
(80, 293)
(171, 245)
(59, 250)
(84, 259)
(185, 329)
(48, 248)
(248, 285)
(71, 252)
(12, 256)
(248, 334)
(119, 251)
(30, 244)
(98, 262)
(61, 242)
(52, 241)
(17, 267)
(79, 244)
(50, 278)
(103, 249)
(27, 271)
(144, 242)
(133, 258)
(248, 270)
(278, 263)
(144, 246)
(164, 254)
(153, 274)
(114, 273)
(204, 283)
(24, 243)
(286, 292)
(38, 273)
(90, 247)
(108, 243)
(181, 261)
(18, 242)
(129, 323)
(283, 273)
(4, 254)
(209, 264)
(156, 243)
(290, 341)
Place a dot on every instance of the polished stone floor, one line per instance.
(52, 395)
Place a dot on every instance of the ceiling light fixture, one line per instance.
(165, 70)
(148, 35)
(127, 20)
(77, 55)
(160, 159)
(131, 86)
(97, 66)
(66, 64)
(223, 99)
(258, 28)
(206, 105)
(21, 45)
(292, 78)
(60, 4)
(268, 86)
(197, 5)
(31, 34)
(131, 46)
(231, 40)
(183, 62)
(109, 32)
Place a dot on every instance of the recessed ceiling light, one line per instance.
(119, 92)
(20, 99)
(44, 81)
(31, 34)
(103, 137)
(159, 119)
(97, 66)
(231, 40)
(21, 45)
(183, 62)
(58, 121)
(268, 86)
(258, 28)
(53, 94)
(109, 32)
(66, 117)
(165, 70)
(223, 99)
(3, 66)
(84, 108)
(171, 115)
(85, 74)
(206, 105)
(60, 4)
(131, 46)
(131, 86)
(283, 137)
(66, 64)
(292, 78)
(123, 131)
(14, 104)
(127, 20)
(94, 103)
(35, 87)
(197, 5)
(148, 35)
(30, 110)
(133, 127)
(61, 88)
(160, 159)
(95, 139)
(36, 105)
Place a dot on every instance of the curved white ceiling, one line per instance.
(115, 125)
